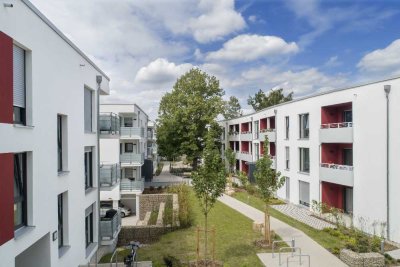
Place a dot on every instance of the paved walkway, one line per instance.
(302, 215)
(320, 257)
(166, 176)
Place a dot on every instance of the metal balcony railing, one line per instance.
(109, 123)
(132, 185)
(132, 132)
(337, 166)
(267, 130)
(132, 158)
(109, 227)
(337, 125)
(110, 174)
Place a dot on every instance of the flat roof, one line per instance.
(126, 104)
(314, 95)
(65, 38)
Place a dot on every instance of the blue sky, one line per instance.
(304, 46)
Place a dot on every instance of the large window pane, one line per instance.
(60, 221)
(305, 160)
(88, 167)
(304, 126)
(20, 190)
(59, 142)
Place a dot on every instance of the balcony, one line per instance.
(110, 226)
(246, 136)
(271, 133)
(128, 185)
(246, 156)
(132, 132)
(109, 124)
(110, 174)
(337, 174)
(233, 136)
(131, 159)
(341, 132)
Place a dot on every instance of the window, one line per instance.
(287, 127)
(304, 126)
(304, 193)
(59, 143)
(129, 173)
(287, 158)
(89, 226)
(60, 221)
(88, 167)
(88, 110)
(256, 129)
(128, 148)
(20, 195)
(304, 159)
(348, 156)
(19, 86)
(348, 116)
(128, 121)
(287, 181)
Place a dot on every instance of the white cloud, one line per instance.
(332, 62)
(161, 71)
(382, 61)
(219, 19)
(247, 47)
(301, 82)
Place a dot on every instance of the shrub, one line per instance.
(375, 244)
(168, 212)
(159, 168)
(185, 210)
(171, 261)
(243, 179)
(351, 244)
(251, 189)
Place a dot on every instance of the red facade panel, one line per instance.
(6, 79)
(6, 197)
(332, 195)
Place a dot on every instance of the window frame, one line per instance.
(302, 162)
(60, 218)
(287, 125)
(59, 143)
(89, 229)
(88, 167)
(304, 132)
(18, 157)
(20, 111)
(287, 158)
(86, 123)
(128, 150)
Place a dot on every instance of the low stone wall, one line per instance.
(149, 202)
(143, 234)
(354, 259)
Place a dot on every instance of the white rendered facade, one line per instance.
(123, 144)
(346, 146)
(57, 78)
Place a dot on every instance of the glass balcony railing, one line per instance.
(109, 123)
(110, 174)
(109, 227)
(132, 158)
(132, 132)
(132, 185)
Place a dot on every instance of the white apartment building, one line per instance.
(49, 91)
(338, 147)
(123, 151)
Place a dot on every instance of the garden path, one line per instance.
(320, 257)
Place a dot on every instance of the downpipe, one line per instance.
(387, 91)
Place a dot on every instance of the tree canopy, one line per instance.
(194, 102)
(261, 100)
(232, 108)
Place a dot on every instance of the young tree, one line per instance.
(209, 180)
(230, 159)
(232, 108)
(260, 100)
(268, 181)
(194, 102)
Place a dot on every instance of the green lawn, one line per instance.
(323, 238)
(234, 239)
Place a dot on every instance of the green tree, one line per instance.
(260, 100)
(230, 159)
(194, 102)
(268, 181)
(232, 108)
(209, 180)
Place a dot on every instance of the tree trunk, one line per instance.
(267, 226)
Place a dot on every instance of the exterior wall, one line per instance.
(368, 141)
(55, 82)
